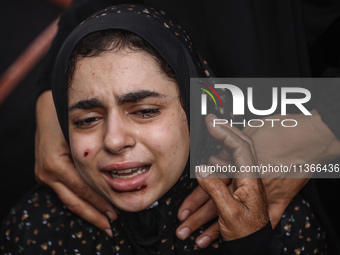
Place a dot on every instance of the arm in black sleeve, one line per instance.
(322, 27)
(261, 242)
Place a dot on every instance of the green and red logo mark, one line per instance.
(204, 97)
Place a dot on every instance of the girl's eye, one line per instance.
(147, 113)
(85, 122)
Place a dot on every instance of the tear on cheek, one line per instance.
(86, 152)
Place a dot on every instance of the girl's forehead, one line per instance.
(112, 75)
(117, 63)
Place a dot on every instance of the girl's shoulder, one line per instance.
(41, 224)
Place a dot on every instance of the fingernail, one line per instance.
(203, 241)
(110, 215)
(211, 116)
(183, 233)
(109, 232)
(203, 172)
(185, 214)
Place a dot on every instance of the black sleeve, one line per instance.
(262, 242)
(74, 15)
(322, 28)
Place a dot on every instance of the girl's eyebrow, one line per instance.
(137, 96)
(131, 97)
(86, 104)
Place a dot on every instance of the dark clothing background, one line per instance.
(21, 22)
(265, 38)
(288, 45)
(40, 223)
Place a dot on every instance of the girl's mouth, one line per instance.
(128, 173)
(127, 179)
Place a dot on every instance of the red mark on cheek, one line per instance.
(86, 152)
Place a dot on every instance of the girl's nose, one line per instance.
(119, 136)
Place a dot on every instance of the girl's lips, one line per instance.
(127, 176)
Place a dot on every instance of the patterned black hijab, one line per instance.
(151, 231)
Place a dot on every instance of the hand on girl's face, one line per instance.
(241, 206)
(244, 209)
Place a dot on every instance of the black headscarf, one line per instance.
(151, 231)
(168, 38)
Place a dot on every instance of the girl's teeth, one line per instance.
(118, 174)
(125, 171)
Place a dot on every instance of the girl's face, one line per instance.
(129, 134)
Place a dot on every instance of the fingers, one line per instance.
(242, 212)
(208, 236)
(223, 155)
(59, 173)
(82, 208)
(202, 216)
(192, 202)
(231, 136)
(238, 144)
(82, 191)
(250, 192)
(219, 193)
(197, 210)
(93, 199)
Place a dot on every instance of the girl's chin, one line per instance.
(132, 202)
(133, 207)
